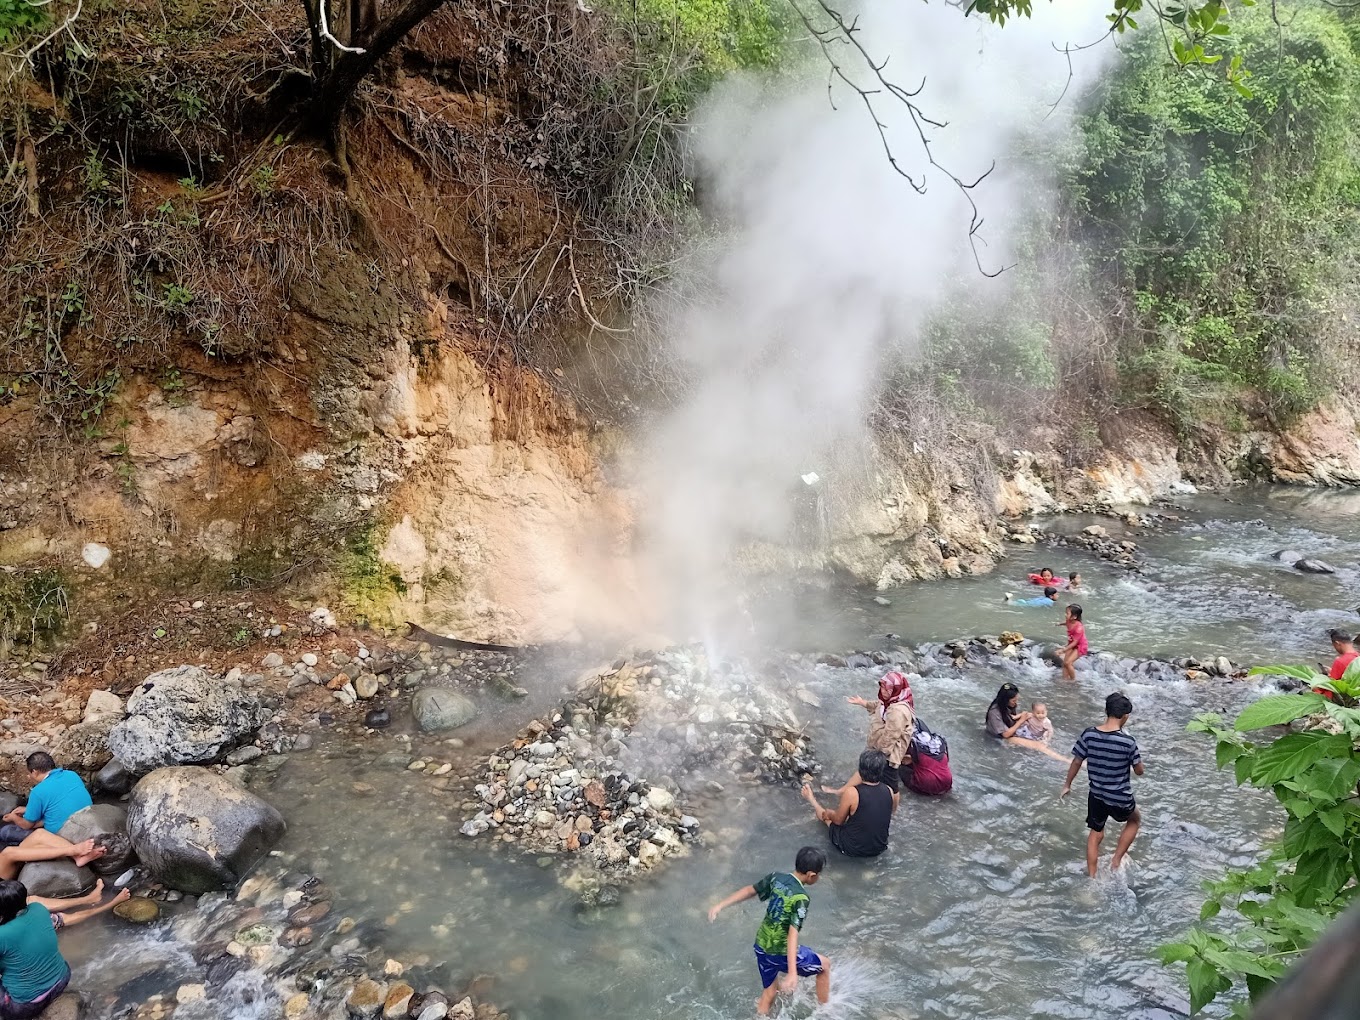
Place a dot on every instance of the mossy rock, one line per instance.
(138, 910)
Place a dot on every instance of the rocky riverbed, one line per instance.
(613, 775)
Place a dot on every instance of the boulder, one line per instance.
(1309, 566)
(85, 746)
(8, 802)
(197, 831)
(438, 708)
(1288, 556)
(56, 879)
(108, 824)
(67, 1006)
(102, 703)
(114, 778)
(184, 716)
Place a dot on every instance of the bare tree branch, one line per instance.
(844, 33)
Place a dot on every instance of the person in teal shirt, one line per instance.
(57, 794)
(1049, 598)
(32, 970)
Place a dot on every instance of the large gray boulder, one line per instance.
(57, 879)
(85, 746)
(108, 824)
(184, 716)
(438, 708)
(197, 831)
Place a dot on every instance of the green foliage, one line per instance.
(18, 18)
(1222, 214)
(1308, 878)
(33, 606)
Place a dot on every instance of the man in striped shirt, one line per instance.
(1109, 754)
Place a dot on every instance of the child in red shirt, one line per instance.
(1076, 642)
(1345, 655)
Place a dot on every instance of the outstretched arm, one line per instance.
(741, 894)
(84, 914)
(1072, 771)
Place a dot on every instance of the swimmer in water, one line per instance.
(1045, 578)
(1048, 598)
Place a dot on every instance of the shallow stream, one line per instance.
(979, 909)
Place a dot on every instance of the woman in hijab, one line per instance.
(1003, 720)
(891, 727)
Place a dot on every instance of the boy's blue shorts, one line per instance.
(771, 966)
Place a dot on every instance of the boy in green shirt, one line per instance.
(777, 948)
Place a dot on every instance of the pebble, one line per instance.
(309, 659)
(272, 661)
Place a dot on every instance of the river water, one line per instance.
(979, 909)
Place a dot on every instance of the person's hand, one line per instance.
(714, 911)
(857, 700)
(1065, 791)
(1024, 717)
(789, 984)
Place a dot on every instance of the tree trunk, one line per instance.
(347, 70)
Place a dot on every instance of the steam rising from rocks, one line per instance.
(827, 265)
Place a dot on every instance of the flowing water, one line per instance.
(980, 908)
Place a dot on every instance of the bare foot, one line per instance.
(92, 854)
(123, 894)
(96, 894)
(831, 789)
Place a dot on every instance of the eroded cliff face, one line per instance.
(481, 494)
(474, 485)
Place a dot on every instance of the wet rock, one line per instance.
(106, 823)
(438, 708)
(296, 1006)
(197, 831)
(377, 718)
(1288, 556)
(882, 601)
(309, 914)
(138, 910)
(397, 1004)
(1309, 566)
(243, 754)
(1223, 666)
(365, 999)
(67, 1006)
(295, 938)
(58, 879)
(184, 716)
(114, 778)
(1094, 530)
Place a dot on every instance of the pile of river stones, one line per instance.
(572, 785)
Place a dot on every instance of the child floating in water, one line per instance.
(1045, 578)
(1074, 581)
(1048, 598)
(1038, 726)
(777, 940)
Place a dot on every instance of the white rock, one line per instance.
(272, 661)
(102, 704)
(309, 659)
(190, 993)
(659, 799)
(96, 555)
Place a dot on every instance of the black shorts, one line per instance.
(1097, 811)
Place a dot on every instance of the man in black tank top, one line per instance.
(858, 825)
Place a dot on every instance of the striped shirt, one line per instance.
(1109, 757)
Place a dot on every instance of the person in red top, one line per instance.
(1076, 642)
(1345, 655)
